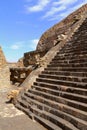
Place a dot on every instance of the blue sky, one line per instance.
(22, 22)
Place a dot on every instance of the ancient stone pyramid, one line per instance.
(58, 97)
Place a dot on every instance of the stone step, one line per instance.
(46, 123)
(21, 106)
(62, 77)
(84, 27)
(48, 116)
(71, 103)
(52, 110)
(73, 50)
(70, 57)
(67, 65)
(65, 83)
(82, 31)
(80, 35)
(68, 89)
(63, 124)
(73, 69)
(59, 114)
(68, 61)
(73, 127)
(77, 41)
(43, 116)
(66, 73)
(71, 96)
(42, 102)
(78, 45)
(84, 24)
(82, 38)
(73, 53)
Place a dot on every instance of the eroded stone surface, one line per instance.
(2, 58)
(47, 39)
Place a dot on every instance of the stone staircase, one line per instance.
(58, 98)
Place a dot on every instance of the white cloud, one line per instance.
(66, 13)
(38, 7)
(63, 2)
(79, 5)
(31, 44)
(17, 45)
(35, 41)
(55, 8)
(62, 8)
(53, 11)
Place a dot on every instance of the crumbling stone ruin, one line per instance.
(12, 95)
(54, 93)
(2, 58)
(18, 75)
(4, 71)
